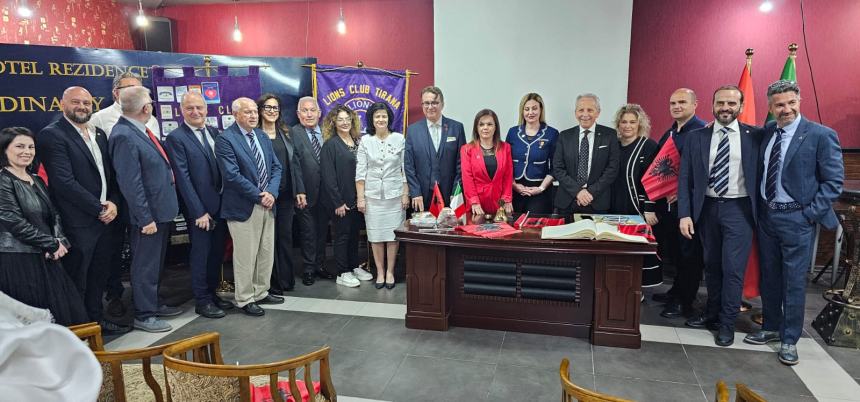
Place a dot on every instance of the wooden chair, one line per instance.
(130, 381)
(722, 392)
(203, 376)
(747, 395)
(571, 392)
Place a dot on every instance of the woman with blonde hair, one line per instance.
(532, 147)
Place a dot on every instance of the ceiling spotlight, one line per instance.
(141, 19)
(341, 23)
(237, 34)
(765, 7)
(23, 10)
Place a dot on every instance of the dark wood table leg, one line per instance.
(426, 306)
(617, 298)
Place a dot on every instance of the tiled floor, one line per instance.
(374, 356)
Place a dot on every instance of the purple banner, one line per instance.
(219, 92)
(360, 87)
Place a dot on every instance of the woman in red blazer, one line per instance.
(486, 166)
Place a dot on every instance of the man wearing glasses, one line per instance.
(432, 151)
(106, 118)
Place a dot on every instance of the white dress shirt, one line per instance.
(209, 139)
(435, 130)
(380, 164)
(106, 118)
(736, 188)
(781, 195)
(590, 140)
(95, 151)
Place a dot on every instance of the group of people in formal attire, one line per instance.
(108, 173)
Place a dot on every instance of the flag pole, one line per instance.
(749, 54)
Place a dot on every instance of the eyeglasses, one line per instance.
(270, 108)
(430, 104)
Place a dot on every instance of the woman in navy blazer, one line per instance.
(486, 167)
(532, 146)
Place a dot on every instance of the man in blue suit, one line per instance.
(802, 175)
(251, 175)
(432, 151)
(191, 148)
(716, 186)
(146, 182)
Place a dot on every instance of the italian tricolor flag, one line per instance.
(457, 202)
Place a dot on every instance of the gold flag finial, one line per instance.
(792, 50)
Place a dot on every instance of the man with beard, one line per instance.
(716, 186)
(84, 189)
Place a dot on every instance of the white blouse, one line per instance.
(380, 164)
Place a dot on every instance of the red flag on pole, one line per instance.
(43, 173)
(747, 116)
(751, 277)
(661, 177)
(436, 204)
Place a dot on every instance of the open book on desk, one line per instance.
(587, 229)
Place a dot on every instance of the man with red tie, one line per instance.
(146, 181)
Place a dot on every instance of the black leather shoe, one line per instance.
(253, 309)
(221, 303)
(788, 354)
(116, 308)
(379, 285)
(725, 337)
(209, 310)
(112, 328)
(308, 278)
(761, 337)
(702, 321)
(672, 310)
(271, 299)
(390, 285)
(275, 291)
(662, 297)
(323, 274)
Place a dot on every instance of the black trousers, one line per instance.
(346, 230)
(314, 231)
(684, 254)
(283, 276)
(726, 229)
(205, 258)
(536, 204)
(114, 288)
(89, 260)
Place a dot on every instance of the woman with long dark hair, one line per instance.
(486, 167)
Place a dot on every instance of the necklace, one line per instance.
(488, 151)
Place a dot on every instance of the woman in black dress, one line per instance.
(628, 195)
(31, 237)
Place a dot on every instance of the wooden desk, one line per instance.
(577, 288)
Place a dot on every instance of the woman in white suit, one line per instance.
(381, 189)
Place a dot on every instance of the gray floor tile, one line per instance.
(460, 343)
(376, 335)
(654, 361)
(518, 383)
(759, 370)
(368, 293)
(546, 351)
(647, 390)
(362, 374)
(848, 358)
(431, 379)
(263, 352)
(711, 393)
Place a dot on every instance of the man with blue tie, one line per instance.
(146, 181)
(432, 153)
(716, 186)
(802, 175)
(251, 175)
(191, 148)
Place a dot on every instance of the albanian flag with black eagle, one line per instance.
(661, 177)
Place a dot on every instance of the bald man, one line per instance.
(252, 177)
(84, 189)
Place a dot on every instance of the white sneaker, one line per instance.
(361, 274)
(347, 279)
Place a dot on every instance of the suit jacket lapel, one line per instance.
(79, 141)
(747, 164)
(575, 152)
(443, 136)
(796, 140)
(705, 144)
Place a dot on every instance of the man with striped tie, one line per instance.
(802, 177)
(251, 175)
(716, 188)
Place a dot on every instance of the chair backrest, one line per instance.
(747, 395)
(113, 378)
(195, 371)
(722, 392)
(571, 392)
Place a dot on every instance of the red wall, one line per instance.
(74, 23)
(392, 34)
(701, 44)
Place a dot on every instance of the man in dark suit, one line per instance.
(313, 218)
(191, 148)
(432, 153)
(716, 184)
(252, 177)
(147, 184)
(84, 189)
(802, 175)
(684, 254)
(585, 162)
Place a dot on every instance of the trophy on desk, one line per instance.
(501, 215)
